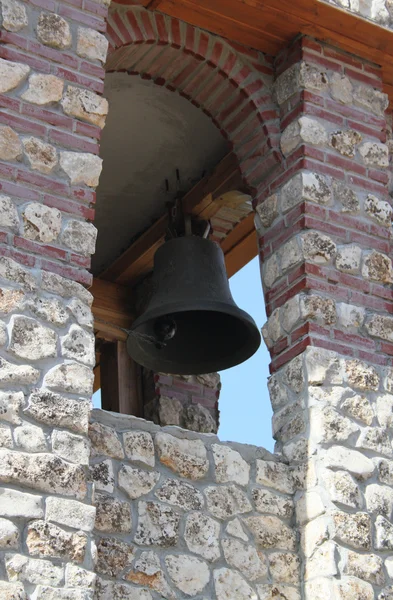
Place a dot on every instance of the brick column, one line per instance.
(325, 244)
(50, 121)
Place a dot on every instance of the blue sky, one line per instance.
(245, 411)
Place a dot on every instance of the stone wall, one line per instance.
(181, 514)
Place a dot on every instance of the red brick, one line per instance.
(8, 37)
(209, 402)
(355, 283)
(203, 45)
(8, 53)
(91, 69)
(79, 275)
(321, 168)
(363, 78)
(46, 183)
(163, 379)
(83, 195)
(368, 185)
(95, 8)
(291, 353)
(326, 227)
(316, 111)
(323, 62)
(43, 250)
(161, 28)
(331, 345)
(67, 206)
(229, 63)
(279, 347)
(299, 332)
(11, 103)
(19, 191)
(346, 164)
(187, 387)
(351, 339)
(372, 357)
(72, 141)
(146, 22)
(97, 23)
(176, 33)
(377, 175)
(355, 114)
(371, 302)
(348, 221)
(21, 124)
(86, 129)
(387, 348)
(369, 242)
(8, 171)
(369, 131)
(112, 35)
(216, 53)
(22, 258)
(341, 57)
(91, 84)
(63, 58)
(46, 4)
(80, 261)
(48, 116)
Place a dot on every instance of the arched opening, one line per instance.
(213, 143)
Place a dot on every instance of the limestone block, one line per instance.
(273, 327)
(308, 507)
(226, 501)
(385, 471)
(268, 211)
(271, 532)
(85, 105)
(70, 377)
(11, 73)
(105, 441)
(12, 591)
(13, 15)
(278, 592)
(10, 404)
(353, 529)
(46, 539)
(230, 584)
(290, 313)
(78, 344)
(300, 75)
(381, 327)
(81, 167)
(359, 408)
(30, 438)
(13, 271)
(9, 218)
(136, 482)
(77, 577)
(113, 556)
(158, 524)
(350, 588)
(328, 425)
(113, 516)
(5, 436)
(379, 500)
(274, 475)
(81, 312)
(314, 538)
(202, 536)
(339, 457)
(379, 210)
(323, 310)
(43, 89)
(284, 567)
(188, 458)
(55, 410)
(304, 129)
(54, 31)
(318, 247)
(31, 340)
(91, 44)
(230, 466)
(368, 567)
(370, 99)
(9, 535)
(361, 376)
(10, 299)
(103, 476)
(384, 408)
(48, 309)
(147, 571)
(41, 156)
(271, 271)
(293, 374)
(109, 590)
(386, 594)
(290, 254)
(41, 223)
(323, 562)
(375, 439)
(320, 588)
(180, 494)
(374, 154)
(70, 513)
(345, 142)
(139, 447)
(45, 592)
(33, 570)
(343, 489)
(235, 529)
(20, 504)
(347, 198)
(341, 89)
(65, 287)
(10, 145)
(322, 366)
(349, 315)
(42, 472)
(348, 258)
(198, 418)
(389, 566)
(80, 236)
(189, 574)
(170, 411)
(383, 534)
(245, 559)
(73, 448)
(305, 186)
(277, 392)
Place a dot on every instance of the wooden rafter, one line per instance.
(202, 201)
(112, 310)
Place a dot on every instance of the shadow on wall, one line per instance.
(245, 410)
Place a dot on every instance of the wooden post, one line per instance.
(120, 388)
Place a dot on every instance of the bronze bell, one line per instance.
(192, 324)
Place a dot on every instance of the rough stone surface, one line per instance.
(10, 145)
(347, 197)
(54, 31)
(30, 438)
(70, 377)
(139, 447)
(147, 571)
(48, 309)
(318, 247)
(188, 573)
(78, 344)
(157, 524)
(374, 155)
(45, 539)
(379, 210)
(344, 489)
(33, 570)
(230, 466)
(80, 237)
(70, 513)
(85, 105)
(32, 341)
(202, 536)
(354, 530)
(230, 584)
(188, 458)
(136, 482)
(12, 74)
(348, 259)
(271, 532)
(73, 448)
(13, 15)
(41, 223)
(9, 535)
(180, 494)
(341, 88)
(42, 157)
(365, 566)
(44, 89)
(345, 142)
(57, 411)
(81, 167)
(105, 441)
(112, 515)
(305, 130)
(113, 556)
(225, 502)
(91, 44)
(351, 460)
(245, 558)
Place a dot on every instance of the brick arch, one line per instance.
(230, 83)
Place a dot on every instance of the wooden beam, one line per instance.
(112, 309)
(137, 260)
(240, 246)
(119, 380)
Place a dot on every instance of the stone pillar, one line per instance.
(51, 117)
(325, 244)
